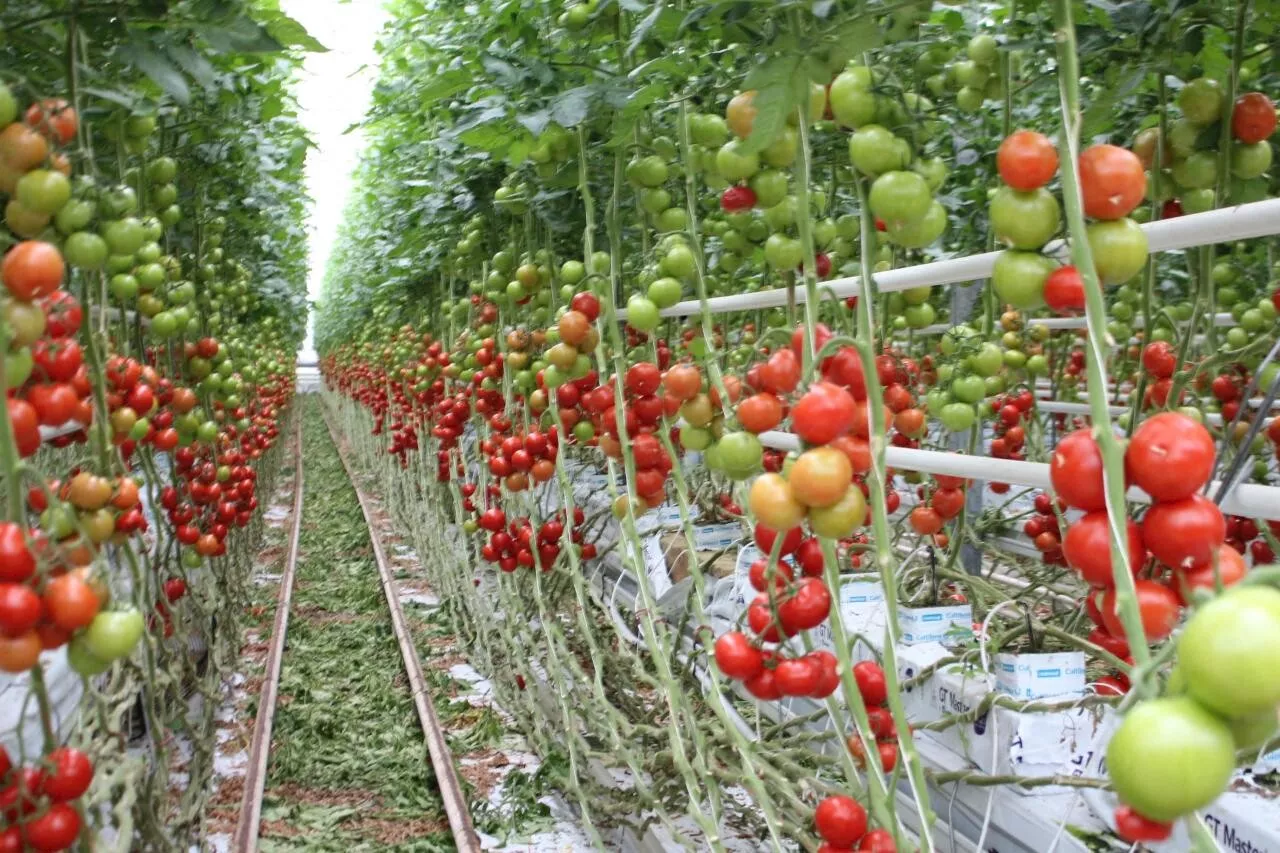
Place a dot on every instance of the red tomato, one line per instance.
(1170, 456)
(823, 413)
(878, 841)
(1112, 181)
(871, 683)
(764, 540)
(1254, 117)
(1026, 160)
(32, 269)
(795, 676)
(16, 562)
(737, 657)
(1087, 547)
(1136, 829)
(1159, 359)
(1064, 290)
(1184, 533)
(840, 820)
(781, 372)
(20, 609)
(1156, 602)
(1231, 568)
(25, 422)
(1075, 471)
(56, 829)
(760, 412)
(807, 607)
(71, 774)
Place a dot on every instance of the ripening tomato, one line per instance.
(820, 476)
(683, 381)
(1231, 569)
(71, 602)
(19, 654)
(32, 269)
(774, 504)
(1026, 160)
(53, 117)
(1170, 456)
(925, 520)
(1112, 181)
(759, 412)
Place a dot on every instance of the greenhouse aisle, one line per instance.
(347, 769)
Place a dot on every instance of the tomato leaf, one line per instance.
(158, 69)
(780, 84)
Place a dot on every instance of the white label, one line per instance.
(668, 516)
(655, 563)
(862, 612)
(1036, 676)
(713, 537)
(946, 625)
(747, 555)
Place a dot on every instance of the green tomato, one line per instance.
(1170, 757)
(852, 102)
(1119, 249)
(919, 316)
(783, 252)
(665, 292)
(43, 191)
(740, 454)
(1024, 220)
(1198, 201)
(642, 314)
(874, 150)
(650, 171)
(1201, 101)
(1229, 652)
(673, 219)
(923, 232)
(85, 250)
(124, 236)
(1250, 161)
(782, 151)
(1199, 171)
(987, 360)
(900, 196)
(1018, 278)
(18, 365)
(1038, 365)
(770, 187)
(734, 164)
(933, 170)
(841, 518)
(982, 49)
(8, 106)
(957, 417)
(113, 633)
(968, 389)
(82, 661)
(679, 262)
(782, 215)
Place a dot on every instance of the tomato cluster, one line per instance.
(841, 822)
(38, 801)
(520, 545)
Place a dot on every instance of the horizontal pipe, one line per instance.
(1243, 222)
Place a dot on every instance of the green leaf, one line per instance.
(570, 109)
(444, 85)
(124, 99)
(851, 38)
(780, 85)
(200, 69)
(643, 28)
(158, 69)
(290, 33)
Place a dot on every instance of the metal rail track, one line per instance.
(455, 804)
(246, 837)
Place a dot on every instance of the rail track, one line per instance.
(248, 827)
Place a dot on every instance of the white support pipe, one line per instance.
(1246, 499)
(1221, 319)
(1243, 222)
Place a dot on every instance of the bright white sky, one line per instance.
(333, 94)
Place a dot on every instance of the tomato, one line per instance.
(1169, 757)
(1157, 604)
(1101, 637)
(947, 503)
(1024, 220)
(1231, 569)
(1184, 533)
(1112, 181)
(740, 114)
(781, 372)
(827, 670)
(71, 774)
(874, 150)
(19, 654)
(823, 413)
(1075, 471)
(1170, 456)
(71, 602)
(63, 314)
(55, 402)
(841, 518)
(796, 676)
(16, 561)
(840, 820)
(763, 686)
(765, 537)
(871, 683)
(32, 269)
(1135, 829)
(925, 520)
(53, 117)
(1026, 160)
(19, 609)
(1120, 249)
(114, 633)
(1087, 548)
(760, 412)
(22, 148)
(1230, 650)
(737, 657)
(1254, 118)
(683, 381)
(1019, 277)
(807, 606)
(1159, 359)
(774, 504)
(56, 829)
(759, 573)
(820, 477)
(878, 841)
(899, 196)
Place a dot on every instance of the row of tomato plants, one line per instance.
(148, 328)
